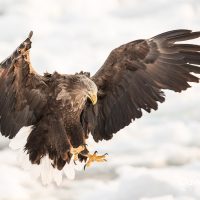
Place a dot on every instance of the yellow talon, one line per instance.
(95, 158)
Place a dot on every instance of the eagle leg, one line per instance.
(95, 158)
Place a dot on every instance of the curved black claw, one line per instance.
(75, 162)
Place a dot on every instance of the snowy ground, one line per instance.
(155, 158)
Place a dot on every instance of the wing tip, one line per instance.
(30, 34)
(177, 35)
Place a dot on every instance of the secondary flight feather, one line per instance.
(49, 118)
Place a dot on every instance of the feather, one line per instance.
(69, 170)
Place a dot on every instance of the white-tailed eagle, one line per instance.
(48, 118)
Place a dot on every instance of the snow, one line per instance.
(155, 158)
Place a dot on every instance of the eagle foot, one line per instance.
(76, 151)
(95, 158)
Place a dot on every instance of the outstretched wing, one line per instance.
(133, 76)
(32, 119)
(21, 96)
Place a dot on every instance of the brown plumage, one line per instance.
(61, 107)
(133, 76)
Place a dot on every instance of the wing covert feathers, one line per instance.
(21, 98)
(134, 75)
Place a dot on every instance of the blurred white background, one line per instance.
(158, 156)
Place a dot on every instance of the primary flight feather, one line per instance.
(48, 118)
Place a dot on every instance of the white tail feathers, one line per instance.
(20, 139)
(45, 170)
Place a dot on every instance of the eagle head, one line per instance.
(88, 88)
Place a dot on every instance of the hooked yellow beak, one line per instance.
(93, 98)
